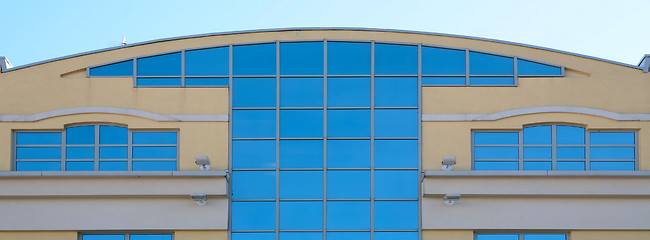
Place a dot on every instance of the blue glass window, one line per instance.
(348, 235)
(258, 59)
(253, 185)
(113, 152)
(80, 153)
(253, 123)
(612, 138)
(253, 154)
(497, 237)
(112, 166)
(396, 184)
(571, 166)
(443, 81)
(396, 235)
(150, 237)
(347, 58)
(544, 236)
(206, 82)
(346, 184)
(38, 138)
(207, 62)
(301, 184)
(121, 69)
(79, 166)
(487, 81)
(348, 92)
(492, 165)
(153, 152)
(496, 152)
(537, 69)
(570, 153)
(570, 135)
(537, 135)
(301, 236)
(80, 135)
(161, 65)
(154, 138)
(396, 59)
(348, 123)
(158, 82)
(348, 153)
(301, 92)
(441, 61)
(537, 152)
(113, 135)
(38, 153)
(38, 166)
(301, 153)
(253, 236)
(301, 58)
(396, 215)
(396, 153)
(496, 138)
(301, 123)
(537, 166)
(348, 215)
(396, 92)
(253, 92)
(612, 166)
(154, 165)
(487, 64)
(253, 216)
(612, 152)
(103, 237)
(396, 123)
(301, 215)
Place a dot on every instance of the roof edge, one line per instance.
(317, 29)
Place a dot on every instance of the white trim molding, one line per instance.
(116, 110)
(534, 110)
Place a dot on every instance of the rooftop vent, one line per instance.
(4, 64)
(645, 63)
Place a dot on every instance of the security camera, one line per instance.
(450, 199)
(200, 198)
(447, 162)
(203, 162)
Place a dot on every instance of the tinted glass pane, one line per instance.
(497, 237)
(115, 69)
(80, 135)
(303, 58)
(163, 65)
(348, 235)
(112, 166)
(396, 92)
(544, 236)
(348, 92)
(486, 64)
(38, 138)
(154, 165)
(301, 215)
(496, 138)
(537, 152)
(612, 166)
(301, 236)
(256, 59)
(38, 153)
(443, 61)
(348, 58)
(80, 153)
(571, 166)
(396, 215)
(154, 137)
(455, 81)
(189, 82)
(301, 184)
(113, 135)
(348, 184)
(205, 62)
(301, 92)
(158, 82)
(253, 236)
(348, 153)
(570, 135)
(253, 154)
(530, 68)
(486, 81)
(496, 165)
(396, 153)
(253, 92)
(396, 123)
(153, 152)
(537, 135)
(150, 237)
(38, 166)
(396, 235)
(611, 152)
(79, 166)
(301, 153)
(396, 59)
(570, 153)
(113, 153)
(537, 166)
(342, 215)
(301, 123)
(103, 237)
(496, 152)
(611, 138)
(396, 184)
(348, 123)
(253, 123)
(253, 216)
(253, 185)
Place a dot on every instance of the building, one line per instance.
(325, 133)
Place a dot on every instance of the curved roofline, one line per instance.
(316, 29)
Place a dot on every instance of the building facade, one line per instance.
(327, 133)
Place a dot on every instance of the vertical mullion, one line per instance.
(325, 139)
(420, 172)
(129, 149)
(466, 67)
(230, 125)
(521, 149)
(587, 150)
(372, 139)
(135, 72)
(277, 140)
(636, 150)
(96, 147)
(515, 71)
(64, 149)
(183, 68)
(553, 147)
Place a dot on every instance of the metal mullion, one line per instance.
(301, 169)
(553, 146)
(256, 76)
(182, 68)
(96, 148)
(44, 145)
(302, 76)
(348, 138)
(515, 71)
(420, 172)
(587, 151)
(344, 200)
(324, 140)
(301, 108)
(466, 67)
(349, 76)
(250, 139)
(135, 72)
(396, 107)
(207, 76)
(145, 145)
(254, 108)
(372, 141)
(442, 75)
(301, 138)
(230, 139)
(63, 149)
(348, 169)
(636, 151)
(129, 151)
(347, 108)
(520, 137)
(395, 75)
(277, 140)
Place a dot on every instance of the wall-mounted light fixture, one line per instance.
(200, 198)
(203, 162)
(450, 199)
(447, 162)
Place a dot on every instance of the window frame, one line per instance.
(127, 235)
(521, 234)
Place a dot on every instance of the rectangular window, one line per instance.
(521, 236)
(129, 236)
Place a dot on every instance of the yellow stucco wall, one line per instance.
(447, 235)
(64, 235)
(609, 235)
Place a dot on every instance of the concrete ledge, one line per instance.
(93, 174)
(468, 173)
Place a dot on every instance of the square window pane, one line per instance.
(206, 82)
(253, 185)
(258, 59)
(301, 215)
(301, 153)
(544, 236)
(536, 69)
(612, 152)
(301, 58)
(570, 135)
(38, 138)
(612, 166)
(80, 153)
(348, 58)
(396, 235)
(253, 154)
(348, 123)
(161, 65)
(104, 237)
(496, 138)
(396, 153)
(154, 137)
(301, 92)
(153, 152)
(392, 184)
(112, 166)
(348, 184)
(38, 153)
(80, 135)
(348, 153)
(253, 123)
(611, 138)
(301, 123)
(207, 62)
(396, 123)
(570, 166)
(537, 152)
(38, 166)
(301, 184)
(158, 82)
(396, 215)
(113, 152)
(253, 92)
(301, 235)
(348, 235)
(396, 92)
(443, 81)
(537, 166)
(113, 135)
(150, 237)
(537, 135)
(116, 69)
(79, 166)
(396, 59)
(488, 81)
(154, 165)
(348, 92)
(343, 215)
(487, 64)
(496, 152)
(441, 61)
(497, 236)
(253, 236)
(570, 153)
(498, 166)
(253, 216)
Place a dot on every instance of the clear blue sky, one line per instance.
(34, 30)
